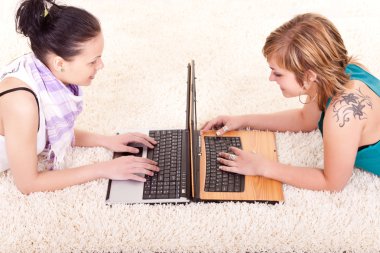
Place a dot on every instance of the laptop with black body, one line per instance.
(189, 169)
(173, 161)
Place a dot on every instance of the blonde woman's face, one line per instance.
(285, 79)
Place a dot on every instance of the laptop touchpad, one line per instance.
(135, 145)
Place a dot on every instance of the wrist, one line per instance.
(100, 171)
(266, 168)
(102, 141)
(245, 122)
(261, 167)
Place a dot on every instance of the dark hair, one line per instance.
(58, 29)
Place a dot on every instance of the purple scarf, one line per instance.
(60, 104)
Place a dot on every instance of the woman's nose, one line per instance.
(100, 64)
(271, 77)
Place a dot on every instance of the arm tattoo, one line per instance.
(351, 105)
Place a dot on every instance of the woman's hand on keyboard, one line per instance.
(128, 168)
(119, 143)
(242, 162)
(223, 124)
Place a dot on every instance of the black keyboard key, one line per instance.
(170, 180)
(217, 180)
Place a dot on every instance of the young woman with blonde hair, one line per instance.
(307, 56)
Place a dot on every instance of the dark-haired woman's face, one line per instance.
(82, 69)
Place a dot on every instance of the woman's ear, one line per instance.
(58, 63)
(311, 76)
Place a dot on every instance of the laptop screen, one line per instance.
(191, 110)
(194, 133)
(188, 117)
(193, 100)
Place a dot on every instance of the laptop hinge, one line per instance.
(186, 175)
(196, 176)
(109, 189)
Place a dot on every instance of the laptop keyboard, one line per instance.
(218, 180)
(170, 181)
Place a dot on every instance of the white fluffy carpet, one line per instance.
(148, 44)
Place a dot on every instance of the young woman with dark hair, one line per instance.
(40, 98)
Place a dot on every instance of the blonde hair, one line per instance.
(311, 42)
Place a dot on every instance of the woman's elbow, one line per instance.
(25, 189)
(336, 182)
(335, 189)
(335, 186)
(309, 127)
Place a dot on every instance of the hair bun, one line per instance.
(30, 16)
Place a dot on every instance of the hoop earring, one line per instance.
(311, 99)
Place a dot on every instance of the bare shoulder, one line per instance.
(18, 105)
(10, 83)
(353, 105)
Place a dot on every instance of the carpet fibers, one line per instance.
(143, 84)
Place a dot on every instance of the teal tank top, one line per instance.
(368, 157)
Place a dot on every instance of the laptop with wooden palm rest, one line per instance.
(256, 188)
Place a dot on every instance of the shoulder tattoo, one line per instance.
(351, 105)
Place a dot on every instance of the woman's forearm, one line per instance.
(290, 120)
(87, 139)
(301, 177)
(58, 179)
